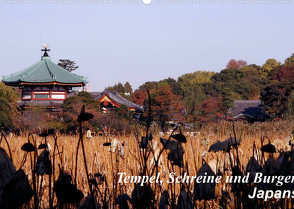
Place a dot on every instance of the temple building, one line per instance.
(44, 84)
(248, 110)
(112, 99)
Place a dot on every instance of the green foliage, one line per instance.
(68, 104)
(194, 97)
(254, 93)
(228, 76)
(8, 106)
(228, 97)
(72, 107)
(268, 66)
(194, 91)
(86, 96)
(251, 73)
(57, 125)
(123, 112)
(128, 88)
(242, 89)
(5, 122)
(122, 89)
(175, 86)
(290, 60)
(68, 64)
(149, 85)
(165, 105)
(202, 77)
(275, 98)
(71, 104)
(197, 78)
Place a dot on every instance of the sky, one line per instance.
(135, 42)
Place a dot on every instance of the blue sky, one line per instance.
(114, 43)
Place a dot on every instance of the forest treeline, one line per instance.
(198, 97)
(206, 96)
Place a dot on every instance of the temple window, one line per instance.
(41, 95)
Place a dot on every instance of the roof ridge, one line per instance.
(73, 75)
(52, 74)
(247, 100)
(45, 71)
(117, 97)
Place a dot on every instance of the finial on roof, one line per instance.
(45, 50)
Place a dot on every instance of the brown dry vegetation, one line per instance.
(100, 159)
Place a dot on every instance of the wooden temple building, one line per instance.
(44, 84)
(248, 110)
(112, 99)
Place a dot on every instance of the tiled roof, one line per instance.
(44, 71)
(117, 98)
(247, 108)
(45, 103)
(96, 95)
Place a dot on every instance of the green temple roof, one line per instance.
(44, 71)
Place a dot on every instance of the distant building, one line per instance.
(44, 84)
(249, 110)
(110, 99)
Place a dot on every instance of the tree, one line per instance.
(71, 103)
(285, 73)
(275, 98)
(289, 60)
(228, 97)
(37, 118)
(254, 93)
(128, 88)
(72, 106)
(68, 64)
(228, 76)
(268, 66)
(234, 64)
(211, 110)
(176, 89)
(108, 123)
(166, 106)
(194, 86)
(150, 85)
(139, 97)
(193, 99)
(253, 74)
(198, 78)
(122, 89)
(119, 87)
(235, 82)
(8, 107)
(124, 113)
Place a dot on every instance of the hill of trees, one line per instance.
(206, 96)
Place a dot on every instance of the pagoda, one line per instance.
(44, 83)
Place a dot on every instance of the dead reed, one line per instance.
(99, 176)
